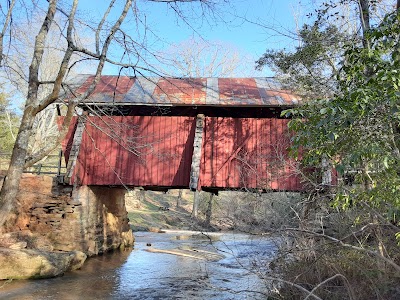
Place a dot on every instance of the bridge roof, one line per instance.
(161, 91)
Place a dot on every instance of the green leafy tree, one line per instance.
(353, 128)
(311, 69)
(358, 129)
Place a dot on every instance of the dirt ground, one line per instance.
(154, 211)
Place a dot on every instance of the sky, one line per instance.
(233, 29)
(240, 24)
(243, 25)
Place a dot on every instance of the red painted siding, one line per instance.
(247, 153)
(139, 151)
(66, 144)
(157, 151)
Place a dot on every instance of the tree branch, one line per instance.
(34, 158)
(101, 26)
(341, 243)
(64, 64)
(7, 21)
(346, 282)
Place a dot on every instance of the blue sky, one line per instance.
(235, 30)
(251, 39)
(225, 23)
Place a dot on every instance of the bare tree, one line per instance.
(45, 129)
(64, 19)
(199, 58)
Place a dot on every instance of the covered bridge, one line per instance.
(197, 133)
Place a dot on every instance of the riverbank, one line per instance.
(156, 211)
(229, 211)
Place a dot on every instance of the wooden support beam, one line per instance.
(76, 143)
(326, 172)
(196, 157)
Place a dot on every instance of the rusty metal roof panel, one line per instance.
(272, 93)
(109, 89)
(239, 91)
(181, 91)
(185, 91)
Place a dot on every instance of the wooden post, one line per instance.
(209, 210)
(76, 143)
(196, 158)
(60, 155)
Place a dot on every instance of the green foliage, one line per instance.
(358, 129)
(8, 125)
(312, 67)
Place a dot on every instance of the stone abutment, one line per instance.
(91, 219)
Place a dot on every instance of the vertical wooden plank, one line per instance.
(274, 162)
(259, 161)
(267, 154)
(104, 144)
(162, 144)
(170, 151)
(216, 146)
(231, 175)
(136, 131)
(114, 172)
(121, 149)
(285, 171)
(252, 151)
(159, 143)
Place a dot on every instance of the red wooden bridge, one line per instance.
(204, 133)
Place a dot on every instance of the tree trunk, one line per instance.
(179, 199)
(195, 210)
(10, 187)
(365, 20)
(209, 210)
(380, 245)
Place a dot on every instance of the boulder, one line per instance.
(32, 264)
(127, 239)
(25, 239)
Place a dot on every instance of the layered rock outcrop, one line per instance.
(56, 221)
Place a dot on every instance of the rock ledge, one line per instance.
(33, 264)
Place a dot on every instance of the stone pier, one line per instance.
(91, 219)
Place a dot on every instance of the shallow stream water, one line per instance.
(139, 274)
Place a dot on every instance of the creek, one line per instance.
(140, 274)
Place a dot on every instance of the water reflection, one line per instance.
(139, 274)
